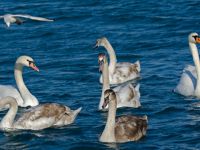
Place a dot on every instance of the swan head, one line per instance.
(101, 42)
(27, 61)
(109, 97)
(194, 38)
(101, 60)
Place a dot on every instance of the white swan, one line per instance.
(124, 128)
(189, 84)
(38, 118)
(119, 72)
(10, 18)
(24, 97)
(127, 95)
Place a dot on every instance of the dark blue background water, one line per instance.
(151, 31)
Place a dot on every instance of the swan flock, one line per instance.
(122, 94)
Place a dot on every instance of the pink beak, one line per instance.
(34, 67)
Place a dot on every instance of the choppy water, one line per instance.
(151, 31)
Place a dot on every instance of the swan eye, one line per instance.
(195, 36)
(31, 62)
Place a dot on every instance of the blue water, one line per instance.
(150, 31)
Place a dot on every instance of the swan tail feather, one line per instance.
(138, 65)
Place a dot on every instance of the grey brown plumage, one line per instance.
(124, 128)
(130, 128)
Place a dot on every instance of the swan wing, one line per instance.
(33, 17)
(125, 72)
(130, 128)
(187, 83)
(40, 117)
(68, 117)
(128, 96)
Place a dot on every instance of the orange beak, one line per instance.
(34, 67)
(198, 40)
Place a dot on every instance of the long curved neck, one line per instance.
(106, 83)
(8, 119)
(195, 56)
(112, 56)
(108, 134)
(20, 82)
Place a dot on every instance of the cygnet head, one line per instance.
(101, 60)
(109, 96)
(194, 38)
(101, 42)
(27, 61)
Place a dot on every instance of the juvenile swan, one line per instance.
(40, 117)
(127, 95)
(24, 97)
(124, 128)
(10, 18)
(189, 84)
(118, 72)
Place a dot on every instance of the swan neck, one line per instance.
(8, 119)
(20, 82)
(195, 56)
(106, 83)
(108, 134)
(112, 56)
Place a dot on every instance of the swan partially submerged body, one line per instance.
(189, 84)
(127, 95)
(38, 118)
(118, 72)
(124, 128)
(24, 97)
(11, 18)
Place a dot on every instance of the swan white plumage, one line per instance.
(189, 84)
(124, 128)
(38, 118)
(118, 72)
(127, 95)
(24, 97)
(11, 18)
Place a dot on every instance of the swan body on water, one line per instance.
(24, 97)
(38, 118)
(127, 95)
(11, 18)
(118, 72)
(124, 128)
(189, 84)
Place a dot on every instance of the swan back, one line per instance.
(46, 115)
(40, 117)
(128, 96)
(130, 128)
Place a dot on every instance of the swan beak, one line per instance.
(34, 67)
(198, 39)
(105, 103)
